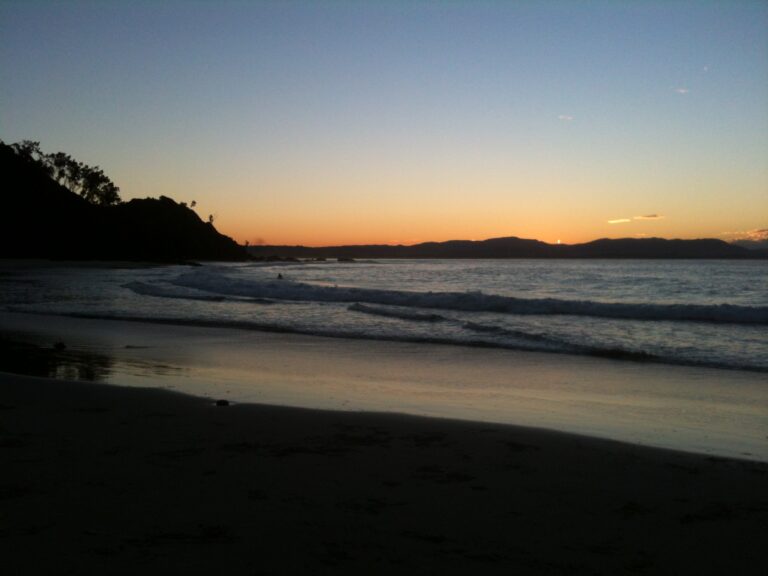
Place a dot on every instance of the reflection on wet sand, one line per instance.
(27, 354)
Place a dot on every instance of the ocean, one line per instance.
(708, 313)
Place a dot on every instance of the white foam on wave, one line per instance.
(214, 282)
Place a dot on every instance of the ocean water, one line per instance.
(700, 313)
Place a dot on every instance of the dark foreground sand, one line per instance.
(98, 479)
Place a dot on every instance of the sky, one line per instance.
(323, 123)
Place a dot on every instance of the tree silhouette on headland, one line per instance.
(63, 209)
(90, 182)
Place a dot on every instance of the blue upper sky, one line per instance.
(324, 122)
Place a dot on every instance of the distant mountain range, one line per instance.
(46, 220)
(512, 247)
(753, 244)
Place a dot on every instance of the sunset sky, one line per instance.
(397, 122)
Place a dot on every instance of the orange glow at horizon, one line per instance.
(334, 234)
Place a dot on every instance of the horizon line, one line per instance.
(558, 243)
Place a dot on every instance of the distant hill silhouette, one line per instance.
(753, 244)
(513, 247)
(46, 220)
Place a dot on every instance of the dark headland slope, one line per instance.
(44, 219)
(521, 248)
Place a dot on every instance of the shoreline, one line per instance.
(607, 354)
(709, 411)
(117, 479)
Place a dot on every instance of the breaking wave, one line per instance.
(220, 285)
(402, 315)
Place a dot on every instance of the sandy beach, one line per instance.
(105, 479)
(537, 464)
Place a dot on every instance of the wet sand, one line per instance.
(101, 479)
(708, 411)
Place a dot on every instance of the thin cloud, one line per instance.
(565, 118)
(756, 235)
(682, 90)
(643, 217)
